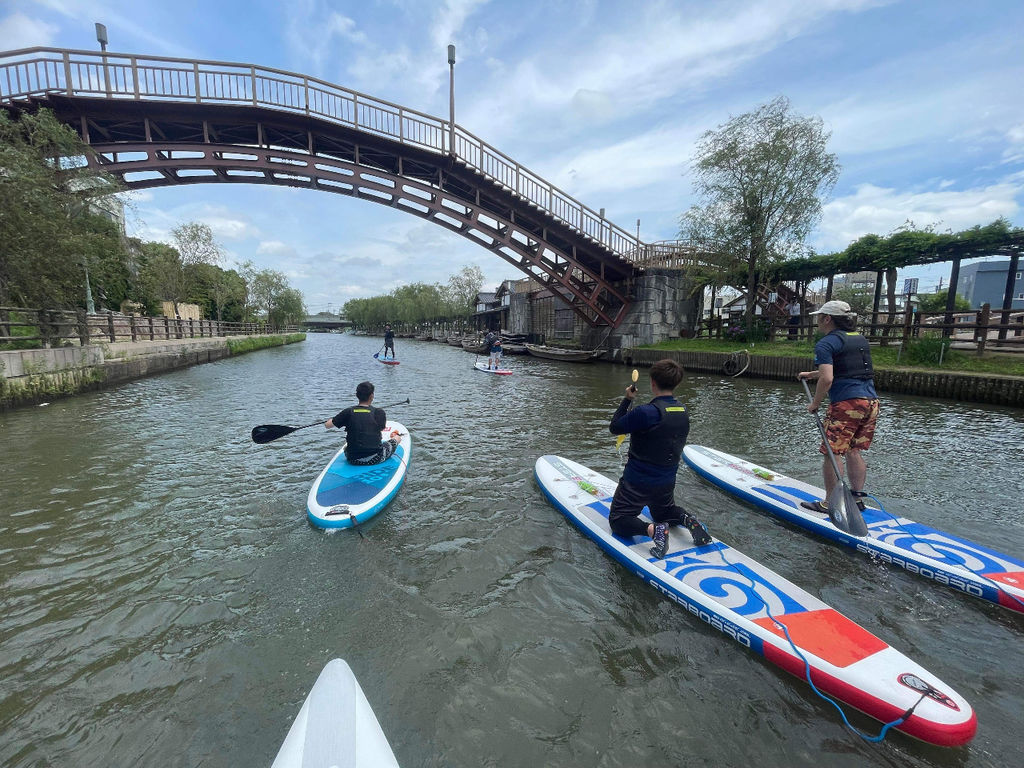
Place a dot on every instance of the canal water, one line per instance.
(165, 603)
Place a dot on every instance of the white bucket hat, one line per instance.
(835, 308)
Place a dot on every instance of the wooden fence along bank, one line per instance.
(969, 387)
(94, 352)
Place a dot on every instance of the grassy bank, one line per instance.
(243, 344)
(920, 354)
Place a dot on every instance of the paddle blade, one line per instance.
(376, 355)
(619, 440)
(844, 513)
(267, 432)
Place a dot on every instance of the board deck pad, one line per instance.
(739, 596)
(950, 560)
(344, 493)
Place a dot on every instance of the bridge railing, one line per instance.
(32, 72)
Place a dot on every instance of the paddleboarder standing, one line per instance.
(363, 424)
(389, 342)
(493, 344)
(658, 432)
(844, 372)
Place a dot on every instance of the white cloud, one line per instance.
(877, 210)
(20, 31)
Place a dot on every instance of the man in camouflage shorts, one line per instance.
(844, 372)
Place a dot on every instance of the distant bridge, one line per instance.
(157, 122)
(325, 321)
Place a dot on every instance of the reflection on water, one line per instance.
(165, 602)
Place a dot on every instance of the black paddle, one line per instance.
(842, 505)
(375, 357)
(266, 433)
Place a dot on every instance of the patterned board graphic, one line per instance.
(942, 557)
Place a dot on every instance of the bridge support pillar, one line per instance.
(664, 307)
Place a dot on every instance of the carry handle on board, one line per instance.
(842, 506)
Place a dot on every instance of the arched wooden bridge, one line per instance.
(157, 122)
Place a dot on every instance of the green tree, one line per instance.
(163, 274)
(195, 245)
(762, 175)
(936, 302)
(288, 308)
(221, 293)
(462, 289)
(46, 188)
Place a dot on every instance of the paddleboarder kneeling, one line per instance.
(845, 373)
(658, 431)
(363, 424)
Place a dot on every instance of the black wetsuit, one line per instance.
(389, 342)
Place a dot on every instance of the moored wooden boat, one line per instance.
(455, 341)
(474, 346)
(558, 353)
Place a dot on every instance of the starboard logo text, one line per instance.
(715, 621)
(940, 576)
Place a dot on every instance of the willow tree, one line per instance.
(762, 176)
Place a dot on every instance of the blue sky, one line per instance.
(604, 99)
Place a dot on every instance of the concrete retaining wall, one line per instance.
(969, 387)
(33, 376)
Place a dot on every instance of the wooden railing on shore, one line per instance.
(60, 327)
(983, 328)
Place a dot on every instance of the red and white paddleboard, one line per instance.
(388, 362)
(482, 367)
(739, 596)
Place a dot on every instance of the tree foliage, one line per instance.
(936, 302)
(762, 176)
(47, 229)
(905, 247)
(417, 303)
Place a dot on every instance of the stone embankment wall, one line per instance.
(664, 303)
(32, 376)
(968, 387)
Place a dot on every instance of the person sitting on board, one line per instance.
(493, 344)
(389, 342)
(658, 431)
(363, 424)
(846, 374)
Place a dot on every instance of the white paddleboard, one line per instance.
(482, 367)
(336, 727)
(734, 594)
(942, 557)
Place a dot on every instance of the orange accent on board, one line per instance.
(1013, 578)
(828, 635)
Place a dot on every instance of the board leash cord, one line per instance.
(807, 667)
(999, 587)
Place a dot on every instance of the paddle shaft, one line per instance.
(276, 431)
(824, 437)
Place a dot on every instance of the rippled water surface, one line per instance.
(164, 601)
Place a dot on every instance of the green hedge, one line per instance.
(243, 344)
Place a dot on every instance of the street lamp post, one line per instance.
(451, 100)
(101, 38)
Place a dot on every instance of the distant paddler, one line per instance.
(658, 432)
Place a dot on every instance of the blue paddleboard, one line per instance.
(346, 494)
